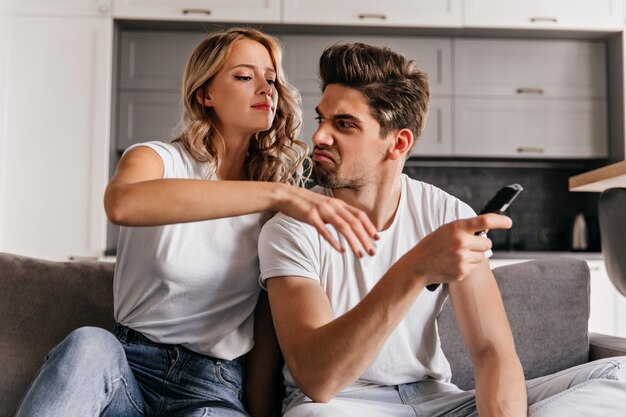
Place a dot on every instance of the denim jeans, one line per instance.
(96, 373)
(595, 389)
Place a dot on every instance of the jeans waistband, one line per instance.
(127, 335)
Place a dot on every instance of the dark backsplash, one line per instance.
(543, 214)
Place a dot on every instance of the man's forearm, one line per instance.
(500, 388)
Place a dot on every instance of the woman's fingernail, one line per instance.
(372, 252)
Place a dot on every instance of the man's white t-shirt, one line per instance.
(413, 352)
(190, 284)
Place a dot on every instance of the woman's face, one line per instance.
(242, 94)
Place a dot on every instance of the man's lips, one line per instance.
(323, 156)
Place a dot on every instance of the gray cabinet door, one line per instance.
(155, 60)
(529, 68)
(433, 55)
(530, 128)
(147, 116)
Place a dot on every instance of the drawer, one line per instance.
(530, 68)
(530, 128)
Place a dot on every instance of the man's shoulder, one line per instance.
(426, 190)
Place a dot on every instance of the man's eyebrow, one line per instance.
(343, 116)
(268, 69)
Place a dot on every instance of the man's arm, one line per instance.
(484, 327)
(326, 355)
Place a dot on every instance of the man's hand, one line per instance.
(452, 251)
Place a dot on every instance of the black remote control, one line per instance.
(497, 204)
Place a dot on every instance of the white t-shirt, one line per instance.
(413, 351)
(190, 284)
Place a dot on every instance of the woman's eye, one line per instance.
(243, 77)
(271, 82)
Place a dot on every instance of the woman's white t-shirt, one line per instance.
(190, 284)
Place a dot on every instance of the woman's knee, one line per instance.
(87, 344)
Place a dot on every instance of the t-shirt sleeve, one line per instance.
(166, 151)
(288, 247)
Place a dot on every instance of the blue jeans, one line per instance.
(96, 373)
(595, 389)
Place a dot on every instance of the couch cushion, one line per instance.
(40, 303)
(547, 303)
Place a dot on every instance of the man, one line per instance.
(358, 332)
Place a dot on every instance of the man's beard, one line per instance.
(328, 178)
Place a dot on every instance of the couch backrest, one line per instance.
(547, 303)
(41, 302)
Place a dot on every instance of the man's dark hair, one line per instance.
(397, 91)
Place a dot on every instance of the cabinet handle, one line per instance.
(529, 91)
(530, 149)
(544, 20)
(197, 11)
(379, 16)
(439, 126)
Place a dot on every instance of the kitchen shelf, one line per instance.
(610, 176)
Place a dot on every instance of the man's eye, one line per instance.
(344, 124)
(319, 119)
(243, 77)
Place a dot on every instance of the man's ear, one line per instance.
(403, 140)
(203, 98)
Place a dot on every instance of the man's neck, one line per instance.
(379, 200)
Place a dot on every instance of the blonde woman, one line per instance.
(186, 279)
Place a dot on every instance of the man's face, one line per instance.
(347, 144)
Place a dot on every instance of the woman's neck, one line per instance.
(232, 166)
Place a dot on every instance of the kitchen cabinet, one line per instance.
(253, 11)
(147, 116)
(608, 306)
(55, 86)
(56, 8)
(427, 13)
(530, 99)
(149, 105)
(436, 140)
(598, 15)
(530, 68)
(530, 128)
(433, 55)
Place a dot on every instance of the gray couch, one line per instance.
(41, 302)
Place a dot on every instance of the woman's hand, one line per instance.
(319, 210)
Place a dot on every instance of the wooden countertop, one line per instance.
(610, 176)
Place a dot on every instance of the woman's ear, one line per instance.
(403, 140)
(203, 98)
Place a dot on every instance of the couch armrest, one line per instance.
(604, 346)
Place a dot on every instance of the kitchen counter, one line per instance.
(610, 176)
(503, 254)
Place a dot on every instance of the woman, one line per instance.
(185, 285)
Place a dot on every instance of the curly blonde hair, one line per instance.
(273, 155)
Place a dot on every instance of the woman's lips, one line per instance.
(262, 106)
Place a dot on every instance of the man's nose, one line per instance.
(322, 136)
